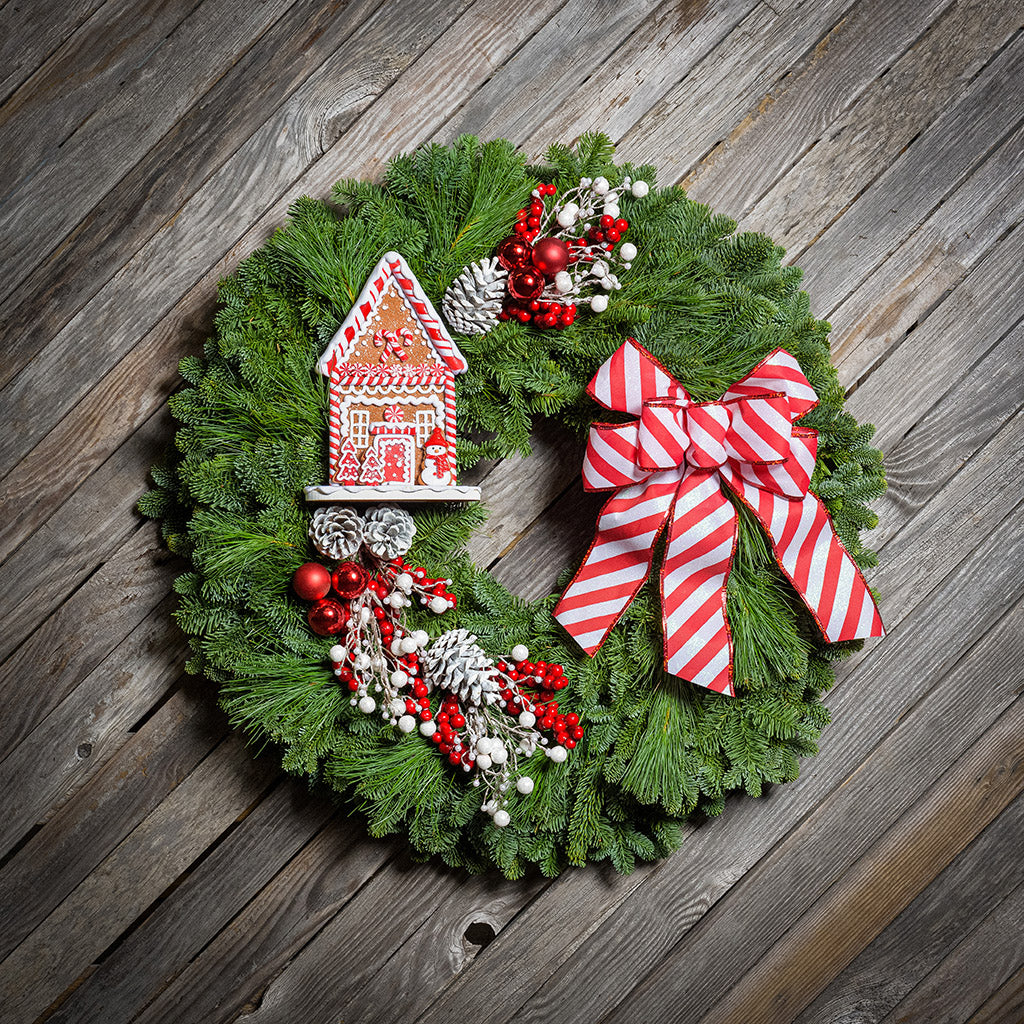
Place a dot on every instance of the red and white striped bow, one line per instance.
(669, 466)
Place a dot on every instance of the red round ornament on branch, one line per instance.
(525, 283)
(312, 581)
(327, 617)
(513, 252)
(550, 256)
(350, 580)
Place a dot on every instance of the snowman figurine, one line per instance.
(437, 470)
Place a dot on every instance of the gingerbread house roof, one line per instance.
(391, 275)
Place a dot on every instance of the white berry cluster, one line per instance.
(590, 213)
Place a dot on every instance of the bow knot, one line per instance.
(669, 466)
(707, 427)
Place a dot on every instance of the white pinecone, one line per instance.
(336, 532)
(473, 300)
(388, 531)
(455, 662)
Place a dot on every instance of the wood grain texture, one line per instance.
(976, 895)
(152, 869)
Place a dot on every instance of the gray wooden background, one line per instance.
(153, 869)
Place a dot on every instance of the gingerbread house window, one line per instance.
(424, 424)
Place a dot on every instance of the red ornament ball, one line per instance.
(525, 283)
(326, 617)
(513, 252)
(350, 580)
(550, 256)
(312, 581)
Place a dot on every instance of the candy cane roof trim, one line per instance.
(392, 267)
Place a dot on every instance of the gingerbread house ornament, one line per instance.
(391, 367)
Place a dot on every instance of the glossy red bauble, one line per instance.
(350, 580)
(312, 581)
(550, 256)
(513, 252)
(525, 283)
(326, 617)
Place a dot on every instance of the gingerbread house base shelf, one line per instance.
(356, 494)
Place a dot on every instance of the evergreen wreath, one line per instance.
(708, 303)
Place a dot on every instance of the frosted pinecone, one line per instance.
(336, 533)
(455, 662)
(473, 300)
(388, 531)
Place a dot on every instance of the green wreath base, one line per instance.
(708, 303)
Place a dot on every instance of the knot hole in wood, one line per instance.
(479, 934)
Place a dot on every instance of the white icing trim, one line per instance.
(393, 268)
(390, 492)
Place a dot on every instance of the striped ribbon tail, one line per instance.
(811, 554)
(700, 547)
(618, 562)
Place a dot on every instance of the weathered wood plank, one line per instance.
(562, 56)
(952, 432)
(133, 783)
(843, 157)
(910, 186)
(79, 537)
(304, 63)
(906, 287)
(685, 886)
(145, 101)
(320, 987)
(909, 950)
(809, 102)
(913, 566)
(1004, 1006)
(989, 957)
(231, 974)
(29, 33)
(199, 907)
(75, 740)
(644, 66)
(120, 888)
(510, 510)
(408, 982)
(75, 84)
(908, 553)
(531, 567)
(720, 90)
(67, 646)
(977, 314)
(819, 945)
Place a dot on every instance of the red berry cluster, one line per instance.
(450, 720)
(542, 314)
(425, 586)
(543, 676)
(529, 268)
(528, 220)
(606, 232)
